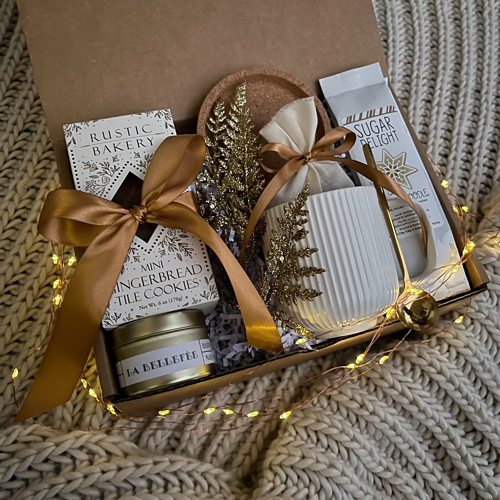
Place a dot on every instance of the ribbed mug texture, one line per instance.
(348, 229)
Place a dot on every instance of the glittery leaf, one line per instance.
(232, 170)
(279, 282)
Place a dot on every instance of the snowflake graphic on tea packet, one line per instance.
(395, 167)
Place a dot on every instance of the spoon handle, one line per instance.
(370, 161)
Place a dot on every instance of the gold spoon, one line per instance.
(418, 310)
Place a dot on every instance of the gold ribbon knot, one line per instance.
(320, 152)
(80, 219)
(140, 212)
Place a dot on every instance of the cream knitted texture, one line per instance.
(425, 425)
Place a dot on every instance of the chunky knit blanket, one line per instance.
(424, 425)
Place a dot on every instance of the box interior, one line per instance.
(99, 59)
(150, 401)
(154, 400)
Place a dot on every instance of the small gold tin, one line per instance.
(162, 350)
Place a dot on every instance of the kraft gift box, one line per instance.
(98, 59)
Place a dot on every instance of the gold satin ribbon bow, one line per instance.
(320, 152)
(80, 219)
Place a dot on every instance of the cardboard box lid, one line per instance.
(99, 58)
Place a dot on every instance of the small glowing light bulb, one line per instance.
(456, 268)
(252, 414)
(163, 412)
(390, 311)
(71, 260)
(84, 383)
(56, 283)
(15, 373)
(111, 409)
(285, 415)
(465, 209)
(93, 393)
(209, 410)
(445, 183)
(383, 359)
(360, 358)
(57, 299)
(55, 258)
(468, 247)
(227, 411)
(455, 209)
(300, 341)
(459, 320)
(351, 366)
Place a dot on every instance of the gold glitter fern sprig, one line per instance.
(233, 170)
(279, 282)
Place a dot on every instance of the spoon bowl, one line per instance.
(419, 311)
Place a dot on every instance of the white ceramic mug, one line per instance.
(348, 228)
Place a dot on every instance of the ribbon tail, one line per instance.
(79, 318)
(260, 327)
(331, 138)
(276, 183)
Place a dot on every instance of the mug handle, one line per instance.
(432, 250)
(427, 233)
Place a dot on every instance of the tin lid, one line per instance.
(161, 323)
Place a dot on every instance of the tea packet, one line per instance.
(361, 100)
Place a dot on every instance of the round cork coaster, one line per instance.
(268, 90)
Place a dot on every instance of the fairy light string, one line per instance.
(363, 363)
(268, 413)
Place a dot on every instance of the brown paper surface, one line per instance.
(99, 58)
